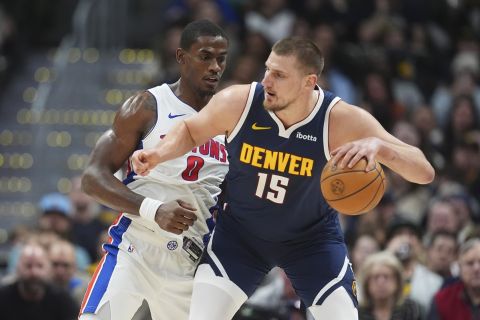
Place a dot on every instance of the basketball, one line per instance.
(353, 191)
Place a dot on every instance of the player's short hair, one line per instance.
(306, 51)
(199, 28)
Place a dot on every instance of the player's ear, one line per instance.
(311, 80)
(180, 55)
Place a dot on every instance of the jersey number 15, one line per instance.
(276, 189)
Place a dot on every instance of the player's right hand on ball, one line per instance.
(143, 161)
(175, 216)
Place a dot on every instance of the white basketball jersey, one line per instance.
(194, 177)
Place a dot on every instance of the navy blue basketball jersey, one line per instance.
(273, 182)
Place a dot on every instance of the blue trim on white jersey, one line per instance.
(130, 176)
(98, 290)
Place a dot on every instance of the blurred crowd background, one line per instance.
(67, 65)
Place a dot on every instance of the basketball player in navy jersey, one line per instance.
(156, 243)
(280, 134)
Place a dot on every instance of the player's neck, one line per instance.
(298, 110)
(190, 97)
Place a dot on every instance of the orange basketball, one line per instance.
(353, 191)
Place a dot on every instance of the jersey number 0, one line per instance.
(194, 164)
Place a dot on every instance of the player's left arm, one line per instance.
(354, 134)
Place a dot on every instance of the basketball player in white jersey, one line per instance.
(156, 242)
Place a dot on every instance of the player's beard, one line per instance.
(274, 107)
(206, 94)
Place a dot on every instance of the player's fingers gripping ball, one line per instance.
(353, 191)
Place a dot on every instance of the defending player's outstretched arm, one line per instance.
(219, 116)
(354, 133)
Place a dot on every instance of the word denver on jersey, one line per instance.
(276, 160)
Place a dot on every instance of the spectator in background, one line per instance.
(32, 296)
(443, 99)
(465, 164)
(272, 18)
(440, 215)
(410, 199)
(56, 215)
(431, 136)
(405, 234)
(256, 45)
(364, 246)
(460, 300)
(407, 132)
(364, 55)
(42, 237)
(16, 238)
(248, 61)
(209, 10)
(378, 99)
(402, 66)
(167, 44)
(381, 280)
(54, 223)
(374, 222)
(86, 227)
(65, 274)
(442, 253)
(224, 14)
(245, 70)
(420, 284)
(336, 80)
(467, 210)
(463, 118)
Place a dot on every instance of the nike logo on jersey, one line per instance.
(255, 127)
(171, 116)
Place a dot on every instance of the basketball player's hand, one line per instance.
(143, 161)
(175, 216)
(350, 153)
